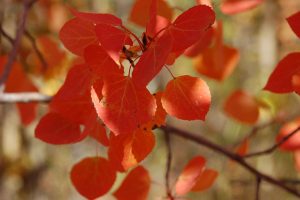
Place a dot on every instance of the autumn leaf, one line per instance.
(243, 148)
(112, 39)
(294, 23)
(187, 98)
(242, 106)
(93, 177)
(189, 26)
(127, 150)
(140, 13)
(135, 186)
(188, 177)
(55, 129)
(77, 34)
(152, 60)
(218, 61)
(97, 18)
(280, 81)
(125, 106)
(293, 143)
(205, 180)
(231, 7)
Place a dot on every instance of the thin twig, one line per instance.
(258, 182)
(25, 97)
(233, 156)
(291, 181)
(274, 147)
(20, 31)
(36, 50)
(168, 165)
(6, 35)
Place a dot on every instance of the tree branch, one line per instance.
(5, 35)
(258, 182)
(23, 97)
(168, 165)
(274, 147)
(20, 31)
(235, 157)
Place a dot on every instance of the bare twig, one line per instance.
(233, 156)
(25, 97)
(258, 182)
(36, 50)
(274, 147)
(290, 181)
(20, 30)
(168, 165)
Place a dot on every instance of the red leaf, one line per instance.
(73, 99)
(243, 148)
(99, 61)
(77, 34)
(96, 129)
(293, 143)
(127, 150)
(136, 185)
(55, 129)
(125, 106)
(152, 60)
(219, 61)
(296, 82)
(19, 82)
(201, 45)
(93, 177)
(280, 80)
(294, 23)
(112, 39)
(187, 98)
(205, 180)
(97, 18)
(242, 107)
(191, 24)
(140, 13)
(236, 6)
(188, 177)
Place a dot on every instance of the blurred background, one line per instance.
(33, 170)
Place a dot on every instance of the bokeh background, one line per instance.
(33, 170)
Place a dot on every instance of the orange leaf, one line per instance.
(77, 34)
(243, 148)
(55, 129)
(293, 143)
(124, 105)
(152, 60)
(205, 180)
(136, 185)
(140, 13)
(242, 107)
(27, 112)
(280, 80)
(93, 177)
(191, 24)
(219, 61)
(187, 98)
(112, 39)
(127, 150)
(294, 23)
(236, 6)
(296, 82)
(97, 18)
(188, 177)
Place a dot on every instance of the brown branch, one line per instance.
(20, 31)
(25, 97)
(36, 49)
(168, 165)
(235, 157)
(274, 147)
(6, 35)
(258, 182)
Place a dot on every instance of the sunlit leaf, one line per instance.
(242, 106)
(187, 98)
(188, 177)
(205, 180)
(236, 6)
(293, 143)
(135, 186)
(93, 177)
